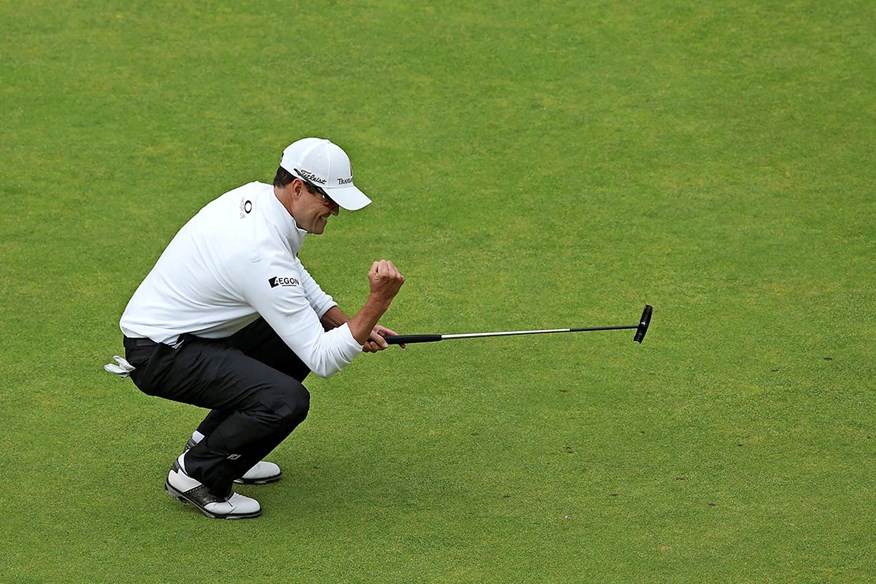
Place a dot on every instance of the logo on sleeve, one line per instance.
(283, 281)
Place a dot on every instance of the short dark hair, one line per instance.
(283, 177)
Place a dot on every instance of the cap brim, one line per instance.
(348, 197)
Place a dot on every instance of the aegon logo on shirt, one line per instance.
(283, 281)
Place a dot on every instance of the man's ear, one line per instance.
(297, 188)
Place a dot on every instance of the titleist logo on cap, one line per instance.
(307, 175)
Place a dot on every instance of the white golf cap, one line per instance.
(325, 165)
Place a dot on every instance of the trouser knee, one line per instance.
(290, 405)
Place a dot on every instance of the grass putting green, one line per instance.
(533, 166)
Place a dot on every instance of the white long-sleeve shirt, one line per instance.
(233, 261)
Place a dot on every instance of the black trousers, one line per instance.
(250, 381)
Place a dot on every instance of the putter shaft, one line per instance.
(641, 329)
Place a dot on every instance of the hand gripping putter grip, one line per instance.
(641, 329)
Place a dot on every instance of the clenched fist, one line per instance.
(385, 280)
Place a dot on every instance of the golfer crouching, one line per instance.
(230, 320)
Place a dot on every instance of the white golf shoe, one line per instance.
(262, 473)
(184, 488)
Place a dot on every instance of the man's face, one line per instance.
(312, 209)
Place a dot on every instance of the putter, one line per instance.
(641, 329)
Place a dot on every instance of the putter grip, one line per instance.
(404, 339)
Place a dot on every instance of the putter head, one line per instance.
(643, 324)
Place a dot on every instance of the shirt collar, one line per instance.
(284, 222)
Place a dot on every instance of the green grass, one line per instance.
(532, 166)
